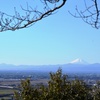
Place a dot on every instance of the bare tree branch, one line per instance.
(9, 22)
(91, 14)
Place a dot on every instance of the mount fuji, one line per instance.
(78, 61)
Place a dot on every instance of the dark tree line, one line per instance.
(90, 14)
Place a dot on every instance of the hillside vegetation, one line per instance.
(58, 88)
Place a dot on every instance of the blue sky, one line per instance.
(57, 39)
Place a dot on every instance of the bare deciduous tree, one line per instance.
(90, 15)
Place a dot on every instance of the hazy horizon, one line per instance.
(75, 61)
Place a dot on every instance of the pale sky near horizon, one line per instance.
(57, 39)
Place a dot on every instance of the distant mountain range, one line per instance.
(76, 66)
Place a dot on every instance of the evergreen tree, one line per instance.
(58, 88)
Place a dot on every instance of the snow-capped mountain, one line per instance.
(78, 61)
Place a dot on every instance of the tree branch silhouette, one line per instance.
(15, 22)
(91, 14)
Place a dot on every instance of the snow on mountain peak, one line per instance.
(78, 61)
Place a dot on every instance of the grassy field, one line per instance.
(5, 93)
